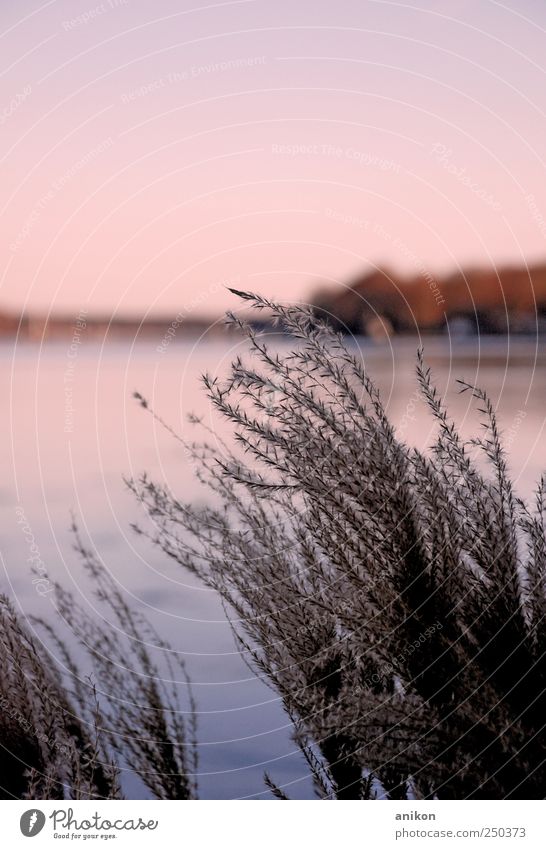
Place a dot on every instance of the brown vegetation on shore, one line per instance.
(498, 300)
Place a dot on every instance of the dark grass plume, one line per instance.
(394, 599)
(73, 734)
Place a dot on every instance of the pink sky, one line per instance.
(152, 151)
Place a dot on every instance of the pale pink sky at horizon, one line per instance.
(153, 151)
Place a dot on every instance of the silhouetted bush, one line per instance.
(393, 598)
